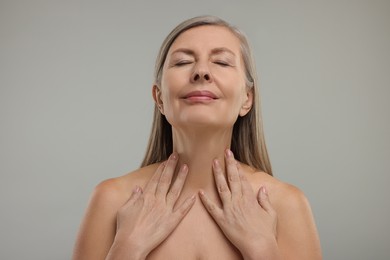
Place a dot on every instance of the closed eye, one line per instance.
(182, 63)
(222, 63)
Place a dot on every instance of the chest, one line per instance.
(196, 237)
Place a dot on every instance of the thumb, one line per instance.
(263, 199)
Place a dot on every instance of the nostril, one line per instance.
(206, 77)
(196, 77)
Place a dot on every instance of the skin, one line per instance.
(201, 203)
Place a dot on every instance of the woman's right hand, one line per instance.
(149, 216)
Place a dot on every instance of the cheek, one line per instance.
(167, 99)
(235, 89)
(169, 93)
(240, 100)
(167, 88)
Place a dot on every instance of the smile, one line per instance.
(199, 96)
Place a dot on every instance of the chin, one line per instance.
(203, 121)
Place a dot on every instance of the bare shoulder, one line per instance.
(283, 196)
(296, 229)
(109, 195)
(98, 227)
(116, 189)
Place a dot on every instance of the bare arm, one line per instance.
(97, 230)
(297, 233)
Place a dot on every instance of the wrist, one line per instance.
(267, 250)
(124, 248)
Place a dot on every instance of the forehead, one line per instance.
(207, 37)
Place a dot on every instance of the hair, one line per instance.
(248, 143)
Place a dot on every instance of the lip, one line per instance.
(200, 95)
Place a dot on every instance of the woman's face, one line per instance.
(203, 79)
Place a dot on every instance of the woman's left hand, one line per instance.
(247, 220)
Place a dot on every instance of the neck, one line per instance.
(198, 149)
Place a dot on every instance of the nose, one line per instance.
(201, 74)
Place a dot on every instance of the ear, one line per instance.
(248, 101)
(156, 92)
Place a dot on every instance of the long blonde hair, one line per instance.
(248, 144)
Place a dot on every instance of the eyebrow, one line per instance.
(222, 50)
(213, 51)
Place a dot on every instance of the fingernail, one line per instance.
(136, 189)
(263, 190)
(228, 153)
(184, 168)
(174, 156)
(201, 192)
(216, 163)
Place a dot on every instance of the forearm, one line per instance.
(266, 251)
(122, 249)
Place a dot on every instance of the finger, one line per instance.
(211, 207)
(151, 186)
(183, 209)
(220, 182)
(177, 186)
(166, 177)
(135, 194)
(232, 174)
(263, 200)
(246, 187)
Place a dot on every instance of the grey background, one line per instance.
(76, 108)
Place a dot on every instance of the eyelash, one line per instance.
(183, 62)
(221, 63)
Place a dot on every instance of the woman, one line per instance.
(205, 189)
